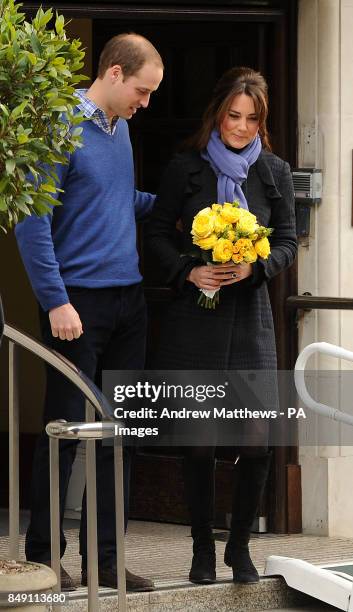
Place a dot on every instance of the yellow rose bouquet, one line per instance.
(226, 232)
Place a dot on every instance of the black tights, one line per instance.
(199, 478)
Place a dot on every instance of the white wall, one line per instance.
(325, 104)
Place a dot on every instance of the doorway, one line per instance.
(195, 53)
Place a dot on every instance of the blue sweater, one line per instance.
(89, 241)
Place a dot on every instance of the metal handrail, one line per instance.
(299, 378)
(318, 302)
(80, 431)
(89, 431)
(63, 365)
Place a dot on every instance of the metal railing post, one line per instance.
(120, 522)
(55, 512)
(92, 432)
(14, 504)
(91, 509)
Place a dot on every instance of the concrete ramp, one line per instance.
(331, 583)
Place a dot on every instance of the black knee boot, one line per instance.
(199, 488)
(247, 495)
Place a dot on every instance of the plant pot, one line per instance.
(26, 586)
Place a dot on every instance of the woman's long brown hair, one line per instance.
(234, 82)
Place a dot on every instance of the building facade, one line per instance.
(305, 50)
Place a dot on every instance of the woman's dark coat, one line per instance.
(239, 333)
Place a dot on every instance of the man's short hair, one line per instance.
(130, 51)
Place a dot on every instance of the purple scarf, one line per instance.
(231, 168)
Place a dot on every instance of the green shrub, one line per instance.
(38, 73)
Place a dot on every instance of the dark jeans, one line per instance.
(114, 333)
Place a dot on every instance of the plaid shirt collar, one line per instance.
(92, 111)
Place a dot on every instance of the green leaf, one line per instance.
(57, 102)
(45, 18)
(18, 110)
(39, 65)
(48, 187)
(26, 197)
(59, 24)
(23, 207)
(58, 60)
(48, 198)
(12, 32)
(3, 204)
(3, 183)
(27, 28)
(10, 54)
(41, 208)
(22, 138)
(77, 132)
(33, 171)
(10, 165)
(36, 46)
(32, 58)
(23, 63)
(4, 110)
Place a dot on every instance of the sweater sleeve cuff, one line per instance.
(178, 276)
(258, 275)
(53, 299)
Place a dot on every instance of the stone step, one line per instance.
(268, 594)
(163, 553)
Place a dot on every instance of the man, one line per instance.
(83, 266)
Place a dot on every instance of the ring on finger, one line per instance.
(234, 275)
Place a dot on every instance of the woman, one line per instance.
(228, 159)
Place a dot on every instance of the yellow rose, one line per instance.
(223, 250)
(230, 213)
(203, 223)
(262, 247)
(242, 245)
(216, 208)
(237, 258)
(206, 243)
(250, 255)
(247, 223)
(231, 235)
(220, 224)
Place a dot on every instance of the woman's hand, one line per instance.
(214, 277)
(242, 271)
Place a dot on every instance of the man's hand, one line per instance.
(65, 322)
